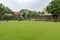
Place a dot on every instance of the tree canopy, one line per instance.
(26, 12)
(4, 9)
(54, 7)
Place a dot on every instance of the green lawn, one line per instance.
(29, 30)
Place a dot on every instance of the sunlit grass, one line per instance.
(29, 30)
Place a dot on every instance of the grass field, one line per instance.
(29, 30)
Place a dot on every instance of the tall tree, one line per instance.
(4, 10)
(54, 8)
(8, 10)
(7, 13)
(1, 10)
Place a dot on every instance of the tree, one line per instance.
(1, 10)
(41, 13)
(28, 14)
(54, 8)
(8, 13)
(33, 14)
(8, 10)
(4, 10)
(24, 13)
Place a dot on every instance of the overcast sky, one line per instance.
(17, 5)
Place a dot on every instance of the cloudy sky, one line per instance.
(17, 5)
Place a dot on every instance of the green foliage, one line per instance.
(54, 7)
(33, 13)
(24, 12)
(29, 13)
(4, 9)
(7, 10)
